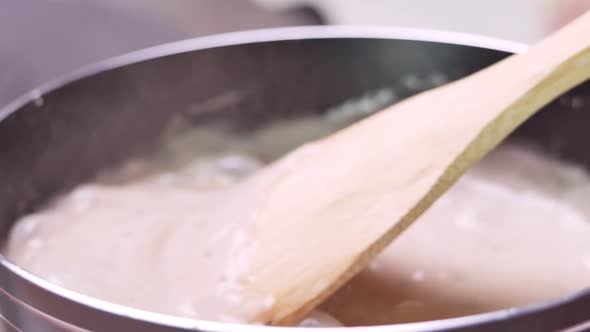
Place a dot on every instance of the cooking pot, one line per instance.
(64, 132)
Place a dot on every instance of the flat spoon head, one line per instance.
(322, 213)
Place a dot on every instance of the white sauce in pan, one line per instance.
(155, 235)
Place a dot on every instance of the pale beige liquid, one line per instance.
(158, 235)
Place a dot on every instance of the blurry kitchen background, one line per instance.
(42, 39)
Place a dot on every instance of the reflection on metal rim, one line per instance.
(579, 328)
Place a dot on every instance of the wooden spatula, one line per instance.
(331, 206)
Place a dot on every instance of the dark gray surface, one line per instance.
(43, 39)
(53, 143)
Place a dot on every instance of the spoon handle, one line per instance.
(523, 84)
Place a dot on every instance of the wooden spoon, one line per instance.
(333, 205)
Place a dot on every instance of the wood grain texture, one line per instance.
(333, 205)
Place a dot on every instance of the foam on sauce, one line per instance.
(158, 235)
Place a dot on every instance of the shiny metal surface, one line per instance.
(64, 132)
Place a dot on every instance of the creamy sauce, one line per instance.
(159, 235)
(514, 231)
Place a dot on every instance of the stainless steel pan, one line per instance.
(64, 132)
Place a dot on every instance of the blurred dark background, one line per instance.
(42, 39)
